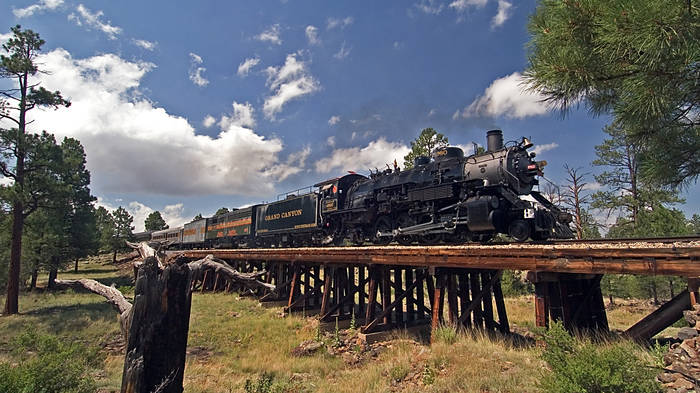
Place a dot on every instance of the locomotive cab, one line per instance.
(332, 192)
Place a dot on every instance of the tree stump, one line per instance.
(157, 339)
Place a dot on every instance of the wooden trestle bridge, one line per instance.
(387, 287)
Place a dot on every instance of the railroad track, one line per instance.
(664, 240)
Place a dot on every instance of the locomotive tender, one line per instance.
(449, 198)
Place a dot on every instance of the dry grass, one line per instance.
(234, 339)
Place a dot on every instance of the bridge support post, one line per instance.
(574, 299)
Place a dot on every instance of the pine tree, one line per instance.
(19, 66)
(636, 60)
(123, 230)
(424, 145)
(155, 222)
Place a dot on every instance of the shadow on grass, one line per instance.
(88, 271)
(66, 319)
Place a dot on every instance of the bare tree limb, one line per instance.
(112, 294)
(198, 267)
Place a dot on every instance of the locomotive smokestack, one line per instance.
(494, 140)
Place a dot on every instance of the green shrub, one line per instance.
(266, 383)
(49, 365)
(445, 333)
(399, 372)
(580, 366)
(513, 284)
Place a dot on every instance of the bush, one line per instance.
(49, 365)
(445, 333)
(580, 366)
(513, 284)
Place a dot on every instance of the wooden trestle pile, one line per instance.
(399, 287)
(380, 297)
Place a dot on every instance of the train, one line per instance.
(448, 198)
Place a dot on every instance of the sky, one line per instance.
(185, 107)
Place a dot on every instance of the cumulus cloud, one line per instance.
(271, 35)
(5, 37)
(196, 70)
(332, 23)
(375, 155)
(432, 7)
(294, 164)
(539, 149)
(343, 52)
(507, 96)
(462, 5)
(247, 65)
(504, 12)
(288, 82)
(333, 120)
(134, 146)
(147, 45)
(208, 121)
(172, 214)
(330, 141)
(94, 20)
(242, 116)
(42, 5)
(312, 35)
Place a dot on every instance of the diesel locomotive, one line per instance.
(446, 198)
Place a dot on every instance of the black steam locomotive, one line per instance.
(449, 198)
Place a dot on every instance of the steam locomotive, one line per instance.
(448, 198)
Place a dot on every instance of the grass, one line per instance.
(233, 340)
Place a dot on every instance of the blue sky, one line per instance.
(185, 107)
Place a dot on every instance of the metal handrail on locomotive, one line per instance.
(448, 198)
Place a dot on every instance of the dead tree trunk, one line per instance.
(160, 316)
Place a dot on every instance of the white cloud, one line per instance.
(343, 52)
(539, 149)
(34, 8)
(172, 214)
(134, 146)
(208, 121)
(312, 35)
(333, 120)
(507, 96)
(94, 20)
(432, 7)
(196, 70)
(287, 82)
(247, 65)
(330, 141)
(271, 35)
(432, 113)
(242, 117)
(332, 23)
(504, 12)
(462, 5)
(294, 164)
(375, 155)
(5, 37)
(147, 45)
